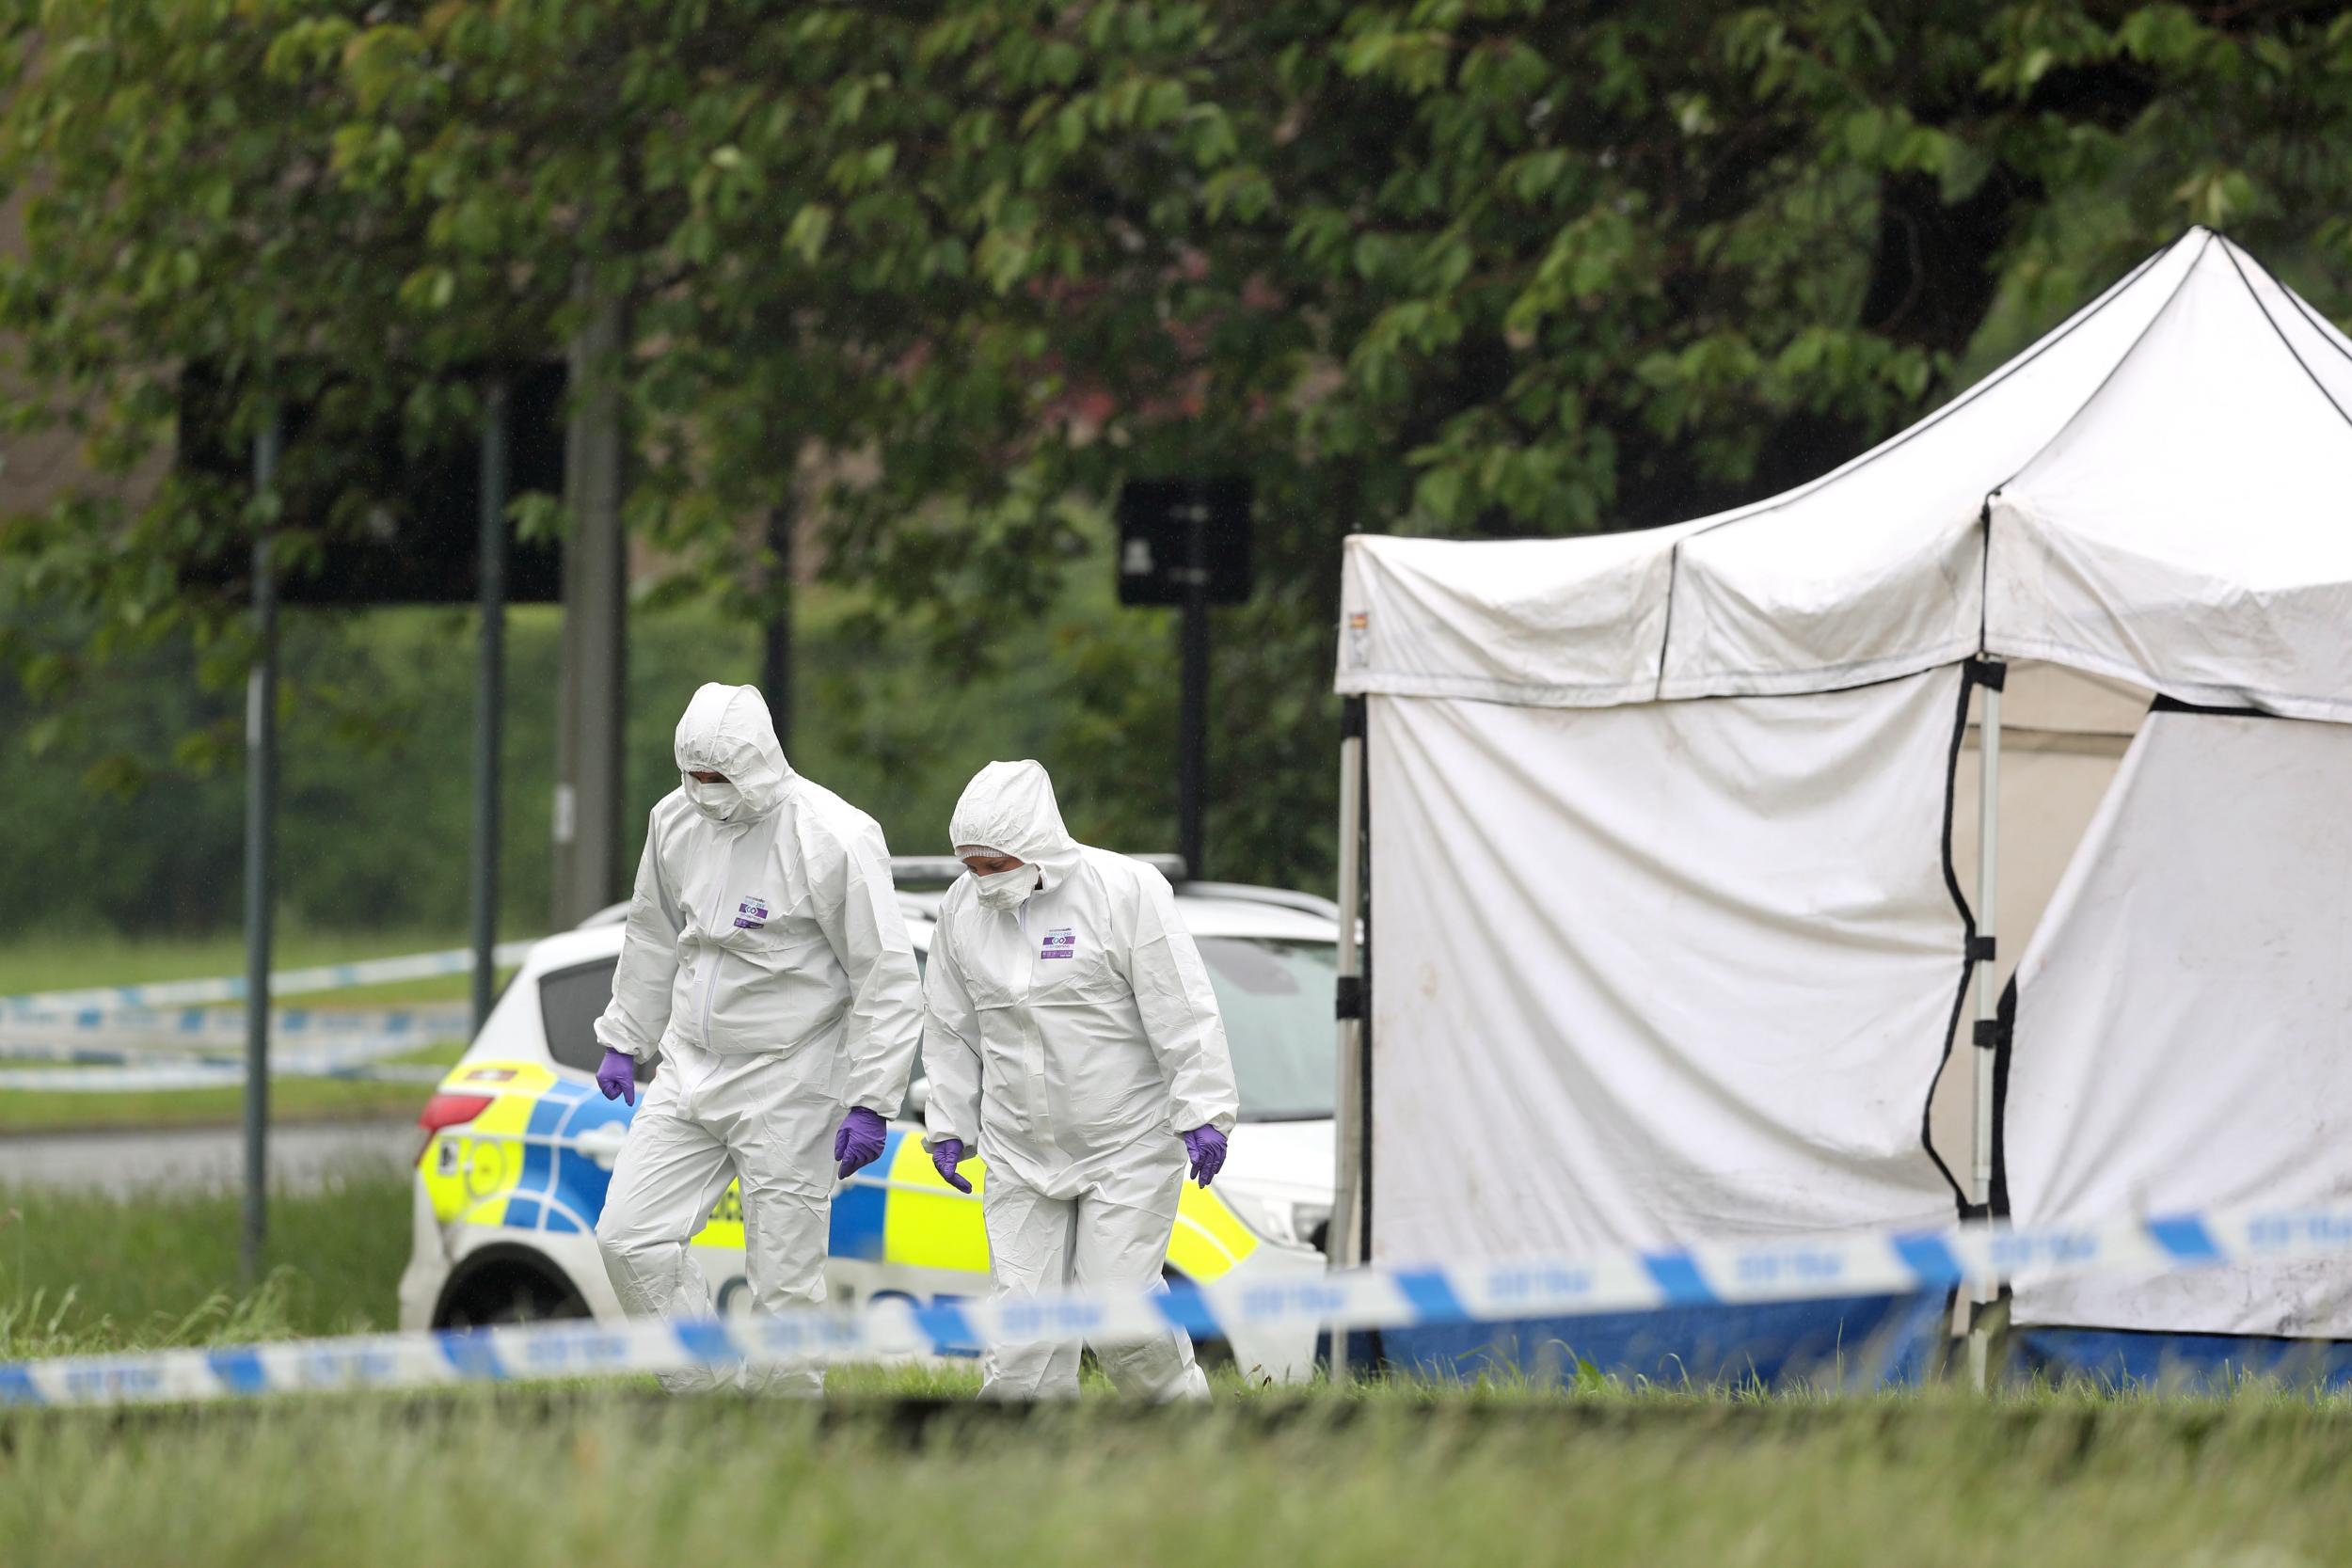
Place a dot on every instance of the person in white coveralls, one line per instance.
(766, 966)
(1072, 1040)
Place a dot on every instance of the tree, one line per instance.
(1458, 266)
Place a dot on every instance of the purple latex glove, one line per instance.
(616, 1075)
(945, 1153)
(859, 1143)
(1206, 1146)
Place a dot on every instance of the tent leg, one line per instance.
(1341, 1245)
(1988, 921)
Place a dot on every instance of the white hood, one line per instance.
(1009, 807)
(726, 730)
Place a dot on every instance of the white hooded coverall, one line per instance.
(1068, 1044)
(766, 965)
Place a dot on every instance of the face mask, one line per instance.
(717, 802)
(1007, 891)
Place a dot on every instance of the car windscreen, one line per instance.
(570, 1002)
(1277, 998)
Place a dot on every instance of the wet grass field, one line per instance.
(900, 1465)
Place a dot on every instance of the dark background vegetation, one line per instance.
(943, 275)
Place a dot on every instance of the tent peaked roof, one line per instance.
(2157, 490)
(2191, 526)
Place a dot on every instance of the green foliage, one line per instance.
(91, 1272)
(1458, 266)
(377, 766)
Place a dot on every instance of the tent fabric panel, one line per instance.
(2317, 342)
(1529, 620)
(1651, 974)
(1822, 619)
(2224, 579)
(2181, 1039)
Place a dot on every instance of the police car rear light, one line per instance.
(445, 1111)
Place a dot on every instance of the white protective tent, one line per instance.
(1668, 936)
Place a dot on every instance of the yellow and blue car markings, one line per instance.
(511, 1165)
(514, 1167)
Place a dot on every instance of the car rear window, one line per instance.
(570, 1002)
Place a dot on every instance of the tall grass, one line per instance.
(87, 1272)
(1392, 1476)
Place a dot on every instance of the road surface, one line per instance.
(302, 1158)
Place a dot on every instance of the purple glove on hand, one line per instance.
(1206, 1146)
(616, 1075)
(859, 1143)
(944, 1154)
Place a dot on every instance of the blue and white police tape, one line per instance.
(289, 982)
(197, 1073)
(198, 1049)
(76, 1035)
(891, 1327)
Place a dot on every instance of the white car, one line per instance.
(518, 1143)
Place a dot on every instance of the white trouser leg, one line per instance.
(1123, 1246)
(1028, 1252)
(779, 1126)
(671, 1172)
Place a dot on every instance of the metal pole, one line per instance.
(1349, 1140)
(776, 674)
(1988, 999)
(1192, 765)
(490, 697)
(260, 812)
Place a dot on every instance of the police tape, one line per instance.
(77, 1036)
(200, 1049)
(291, 982)
(891, 1328)
(202, 1074)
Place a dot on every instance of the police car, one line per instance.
(518, 1143)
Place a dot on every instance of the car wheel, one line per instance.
(511, 1296)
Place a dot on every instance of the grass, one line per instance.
(1397, 1474)
(86, 1273)
(897, 1464)
(290, 1099)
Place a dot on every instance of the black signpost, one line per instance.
(1185, 543)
